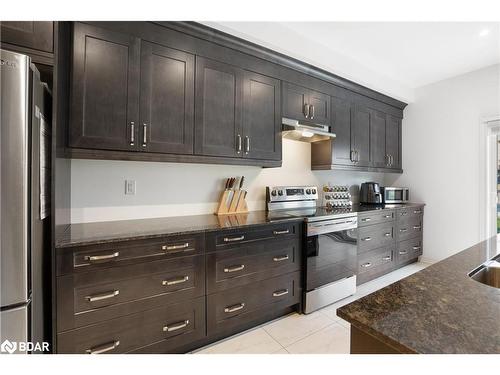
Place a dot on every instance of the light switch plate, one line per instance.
(129, 187)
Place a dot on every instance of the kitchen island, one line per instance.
(437, 310)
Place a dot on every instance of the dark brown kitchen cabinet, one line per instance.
(301, 103)
(218, 117)
(393, 141)
(341, 126)
(104, 89)
(261, 117)
(166, 100)
(360, 136)
(37, 35)
(378, 155)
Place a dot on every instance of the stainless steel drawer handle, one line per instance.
(387, 234)
(281, 258)
(234, 308)
(416, 212)
(234, 239)
(366, 239)
(100, 297)
(404, 213)
(176, 326)
(387, 257)
(96, 258)
(103, 348)
(366, 265)
(403, 252)
(286, 231)
(180, 280)
(416, 248)
(366, 219)
(175, 247)
(387, 216)
(402, 230)
(234, 268)
(280, 293)
(417, 227)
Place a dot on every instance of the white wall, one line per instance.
(441, 156)
(172, 189)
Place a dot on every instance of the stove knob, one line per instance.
(314, 191)
(273, 193)
(280, 192)
(308, 191)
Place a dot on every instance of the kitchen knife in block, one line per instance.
(234, 201)
(242, 202)
(223, 205)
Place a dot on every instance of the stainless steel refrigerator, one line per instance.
(25, 143)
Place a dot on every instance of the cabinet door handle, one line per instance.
(366, 239)
(176, 326)
(416, 248)
(180, 280)
(234, 308)
(387, 257)
(281, 258)
(311, 112)
(132, 133)
(234, 239)
(238, 146)
(387, 234)
(353, 159)
(366, 219)
(144, 134)
(402, 230)
(234, 268)
(280, 293)
(366, 265)
(103, 348)
(306, 110)
(417, 212)
(392, 160)
(403, 252)
(277, 232)
(100, 297)
(387, 216)
(404, 213)
(357, 156)
(175, 247)
(247, 144)
(418, 227)
(96, 258)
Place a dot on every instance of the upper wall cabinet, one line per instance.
(300, 103)
(36, 35)
(104, 89)
(393, 141)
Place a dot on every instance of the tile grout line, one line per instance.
(305, 337)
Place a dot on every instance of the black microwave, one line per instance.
(395, 195)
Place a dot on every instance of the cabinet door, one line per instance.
(377, 140)
(341, 126)
(167, 100)
(261, 117)
(393, 141)
(360, 135)
(319, 108)
(104, 89)
(218, 109)
(36, 35)
(295, 99)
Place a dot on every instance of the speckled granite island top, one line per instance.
(437, 310)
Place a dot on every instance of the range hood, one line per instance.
(305, 132)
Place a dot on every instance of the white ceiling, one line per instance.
(391, 57)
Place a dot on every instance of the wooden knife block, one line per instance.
(232, 202)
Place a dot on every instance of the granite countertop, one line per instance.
(110, 231)
(437, 310)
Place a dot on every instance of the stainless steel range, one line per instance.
(330, 243)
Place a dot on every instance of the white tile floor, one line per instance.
(321, 332)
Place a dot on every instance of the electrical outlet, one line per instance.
(129, 187)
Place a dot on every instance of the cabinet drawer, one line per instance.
(375, 217)
(253, 262)
(88, 258)
(374, 236)
(410, 249)
(234, 238)
(235, 307)
(375, 263)
(409, 213)
(177, 325)
(90, 297)
(409, 228)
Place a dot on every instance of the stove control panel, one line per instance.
(337, 196)
(291, 193)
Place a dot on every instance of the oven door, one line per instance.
(330, 257)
